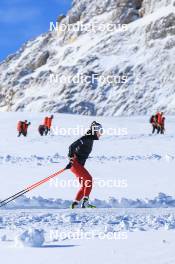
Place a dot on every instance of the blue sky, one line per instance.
(21, 20)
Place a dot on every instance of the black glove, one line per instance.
(69, 165)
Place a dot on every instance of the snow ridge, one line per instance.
(160, 201)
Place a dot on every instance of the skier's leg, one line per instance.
(80, 193)
(87, 183)
(85, 179)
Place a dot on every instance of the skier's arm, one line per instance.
(74, 147)
(72, 151)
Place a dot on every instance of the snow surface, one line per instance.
(106, 235)
(131, 170)
(142, 167)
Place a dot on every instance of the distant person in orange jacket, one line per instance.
(42, 129)
(49, 122)
(45, 121)
(22, 128)
(45, 125)
(45, 128)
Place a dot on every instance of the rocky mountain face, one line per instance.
(46, 73)
(151, 6)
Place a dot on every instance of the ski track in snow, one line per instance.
(56, 158)
(44, 160)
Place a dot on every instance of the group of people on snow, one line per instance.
(158, 123)
(44, 129)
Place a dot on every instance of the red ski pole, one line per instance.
(29, 188)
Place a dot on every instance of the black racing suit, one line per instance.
(82, 147)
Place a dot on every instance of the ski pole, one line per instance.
(29, 188)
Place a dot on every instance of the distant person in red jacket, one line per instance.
(153, 122)
(22, 128)
(161, 123)
(158, 122)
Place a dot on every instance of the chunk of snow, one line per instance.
(3, 238)
(31, 238)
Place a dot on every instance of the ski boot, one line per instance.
(74, 205)
(86, 204)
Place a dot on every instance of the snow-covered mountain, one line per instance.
(143, 52)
